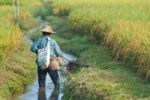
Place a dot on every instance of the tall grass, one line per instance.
(9, 40)
(16, 68)
(122, 25)
(10, 34)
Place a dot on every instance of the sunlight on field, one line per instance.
(121, 24)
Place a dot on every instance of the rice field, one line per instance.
(123, 25)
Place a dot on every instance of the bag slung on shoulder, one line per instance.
(43, 56)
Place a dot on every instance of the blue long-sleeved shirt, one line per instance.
(42, 42)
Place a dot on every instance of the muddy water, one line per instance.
(50, 92)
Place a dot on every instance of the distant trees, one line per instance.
(15, 4)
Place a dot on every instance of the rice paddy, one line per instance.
(123, 25)
(106, 79)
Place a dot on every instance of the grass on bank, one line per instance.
(16, 72)
(106, 78)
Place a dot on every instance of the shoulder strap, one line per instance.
(48, 41)
(39, 40)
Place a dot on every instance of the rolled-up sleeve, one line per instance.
(34, 47)
(58, 50)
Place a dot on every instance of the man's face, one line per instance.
(46, 33)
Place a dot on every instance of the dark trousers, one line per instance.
(42, 76)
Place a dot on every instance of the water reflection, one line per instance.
(41, 94)
(53, 96)
(50, 92)
(55, 93)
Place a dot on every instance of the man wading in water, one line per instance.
(54, 53)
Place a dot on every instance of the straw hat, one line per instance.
(48, 29)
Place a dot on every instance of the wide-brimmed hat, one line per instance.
(48, 29)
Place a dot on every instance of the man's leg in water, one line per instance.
(42, 77)
(54, 76)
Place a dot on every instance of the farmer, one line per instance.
(54, 52)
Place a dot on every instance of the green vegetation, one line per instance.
(16, 68)
(106, 78)
(44, 9)
(16, 72)
(94, 84)
(9, 41)
(121, 24)
(130, 84)
(10, 34)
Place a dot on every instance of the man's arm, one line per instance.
(57, 49)
(34, 47)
